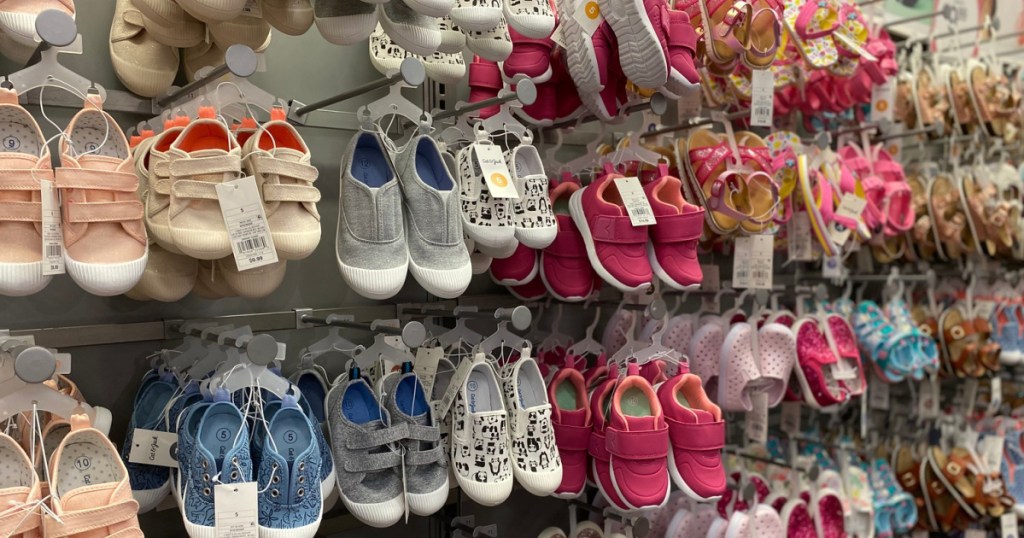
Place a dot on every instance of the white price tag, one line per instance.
(1008, 527)
(878, 394)
(461, 373)
(588, 15)
(151, 447)
(425, 366)
(928, 399)
(798, 234)
(850, 207)
(757, 419)
(883, 101)
(712, 278)
(832, 267)
(995, 395)
(246, 222)
(495, 170)
(235, 510)
(752, 262)
(63, 363)
(762, 98)
(252, 9)
(789, 421)
(53, 233)
(689, 104)
(556, 36)
(635, 200)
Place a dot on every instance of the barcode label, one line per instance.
(251, 244)
(762, 97)
(53, 233)
(53, 251)
(752, 262)
(246, 223)
(635, 200)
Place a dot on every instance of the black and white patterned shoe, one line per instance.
(494, 44)
(445, 68)
(479, 440)
(476, 15)
(385, 55)
(532, 18)
(532, 213)
(485, 219)
(535, 461)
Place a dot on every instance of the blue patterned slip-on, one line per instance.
(173, 420)
(426, 463)
(288, 473)
(219, 455)
(150, 483)
(326, 459)
(1012, 468)
(187, 425)
(367, 453)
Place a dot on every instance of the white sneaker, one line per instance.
(479, 441)
(386, 56)
(494, 44)
(476, 15)
(534, 218)
(415, 32)
(344, 22)
(453, 41)
(485, 219)
(535, 457)
(445, 68)
(532, 18)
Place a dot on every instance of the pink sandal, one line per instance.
(815, 358)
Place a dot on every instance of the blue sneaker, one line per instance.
(327, 489)
(182, 404)
(312, 383)
(217, 454)
(290, 500)
(150, 483)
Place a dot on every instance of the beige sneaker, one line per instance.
(249, 31)
(90, 490)
(169, 24)
(210, 283)
(203, 155)
(292, 17)
(24, 160)
(20, 492)
(152, 164)
(168, 277)
(253, 283)
(144, 65)
(279, 159)
(211, 11)
(104, 236)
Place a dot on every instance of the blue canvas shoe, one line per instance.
(150, 483)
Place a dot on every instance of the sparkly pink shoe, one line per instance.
(814, 355)
(697, 434)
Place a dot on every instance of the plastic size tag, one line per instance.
(635, 200)
(762, 98)
(789, 422)
(798, 234)
(1008, 527)
(495, 170)
(235, 510)
(588, 15)
(752, 262)
(151, 447)
(928, 399)
(757, 419)
(689, 105)
(461, 373)
(832, 267)
(557, 37)
(878, 394)
(425, 366)
(246, 222)
(883, 99)
(53, 234)
(252, 9)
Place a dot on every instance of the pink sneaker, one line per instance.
(530, 58)
(518, 269)
(738, 369)
(600, 472)
(568, 102)
(637, 443)
(682, 46)
(673, 247)
(697, 433)
(543, 111)
(564, 266)
(531, 291)
(484, 83)
(570, 418)
(704, 351)
(815, 356)
(643, 47)
(617, 249)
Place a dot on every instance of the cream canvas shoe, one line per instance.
(248, 31)
(169, 24)
(168, 277)
(144, 65)
(211, 11)
(152, 164)
(292, 17)
(253, 283)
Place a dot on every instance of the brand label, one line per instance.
(850, 208)
(246, 222)
(425, 366)
(635, 199)
(53, 233)
(151, 447)
(495, 170)
(236, 511)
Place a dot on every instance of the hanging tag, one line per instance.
(969, 438)
(762, 98)
(882, 99)
(975, 533)
(970, 395)
(757, 419)
(246, 222)
(850, 208)
(798, 234)
(689, 104)
(635, 200)
(712, 278)
(236, 510)
(879, 394)
(919, 534)
(928, 399)
(865, 414)
(151, 447)
(588, 15)
(832, 267)
(995, 395)
(556, 37)
(1008, 527)
(425, 366)
(789, 422)
(495, 171)
(252, 9)
(461, 373)
(53, 234)
(752, 262)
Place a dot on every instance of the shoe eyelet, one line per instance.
(205, 464)
(273, 466)
(302, 466)
(300, 492)
(302, 480)
(234, 475)
(274, 493)
(234, 460)
(206, 477)
(275, 480)
(206, 491)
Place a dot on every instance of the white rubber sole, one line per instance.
(659, 271)
(582, 60)
(444, 283)
(494, 238)
(379, 515)
(415, 39)
(296, 245)
(640, 53)
(305, 531)
(486, 494)
(106, 279)
(489, 48)
(529, 278)
(202, 244)
(377, 284)
(530, 25)
(547, 285)
(149, 499)
(426, 504)
(476, 18)
(576, 210)
(677, 479)
(21, 279)
(604, 493)
(615, 484)
(537, 238)
(21, 27)
(207, 11)
(539, 484)
(347, 30)
(431, 8)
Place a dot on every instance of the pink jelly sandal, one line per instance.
(827, 512)
(797, 519)
(704, 352)
(738, 369)
(844, 345)
(815, 359)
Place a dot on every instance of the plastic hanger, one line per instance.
(334, 342)
(379, 351)
(393, 104)
(188, 359)
(458, 335)
(626, 351)
(24, 390)
(246, 374)
(502, 338)
(504, 122)
(590, 155)
(588, 345)
(632, 149)
(557, 339)
(50, 72)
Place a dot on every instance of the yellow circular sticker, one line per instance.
(499, 179)
(882, 105)
(592, 10)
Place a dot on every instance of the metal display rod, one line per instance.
(694, 123)
(656, 104)
(520, 316)
(239, 60)
(947, 12)
(410, 72)
(994, 24)
(525, 93)
(261, 348)
(413, 333)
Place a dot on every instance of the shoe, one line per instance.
(152, 165)
(571, 422)
(617, 250)
(277, 156)
(209, 285)
(533, 19)
(536, 463)
(672, 250)
(193, 59)
(18, 18)
(21, 492)
(426, 462)
(91, 492)
(486, 220)
(599, 472)
(453, 41)
(814, 357)
(255, 283)
(480, 438)
(530, 58)
(484, 83)
(371, 247)
(25, 160)
(476, 15)
(738, 369)
(637, 443)
(518, 269)
(431, 8)
(183, 419)
(326, 477)
(344, 22)
(143, 64)
(494, 44)
(213, 11)
(104, 236)
(682, 47)
(438, 258)
(532, 214)
(697, 433)
(169, 24)
(291, 17)
(776, 344)
(249, 31)
(533, 290)
(150, 483)
(364, 442)
(312, 384)
(445, 68)
(564, 266)
(385, 55)
(414, 32)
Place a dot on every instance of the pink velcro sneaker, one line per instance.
(599, 472)
(571, 420)
(564, 266)
(673, 247)
(637, 443)
(697, 433)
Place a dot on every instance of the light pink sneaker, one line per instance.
(600, 473)
(697, 433)
(104, 235)
(637, 443)
(777, 356)
(617, 250)
(738, 369)
(641, 38)
(518, 269)
(564, 266)
(705, 351)
(570, 418)
(673, 247)
(20, 492)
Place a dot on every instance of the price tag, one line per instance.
(588, 15)
(151, 447)
(883, 100)
(798, 233)
(53, 233)
(246, 222)
(425, 366)
(252, 9)
(928, 399)
(995, 396)
(878, 394)
(752, 262)
(849, 208)
(789, 422)
(635, 200)
(556, 36)
(689, 105)
(235, 512)
(762, 98)
(975, 533)
(712, 278)
(63, 363)
(461, 373)
(495, 170)
(1008, 527)
(832, 267)
(757, 419)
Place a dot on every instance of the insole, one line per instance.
(682, 400)
(13, 471)
(291, 434)
(151, 408)
(565, 395)
(531, 389)
(634, 403)
(370, 166)
(313, 392)
(86, 462)
(19, 138)
(480, 393)
(219, 431)
(431, 171)
(410, 397)
(53, 438)
(94, 135)
(359, 405)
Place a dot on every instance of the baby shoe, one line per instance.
(697, 434)
(536, 463)
(637, 443)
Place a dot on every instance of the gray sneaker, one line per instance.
(367, 454)
(371, 247)
(426, 463)
(438, 258)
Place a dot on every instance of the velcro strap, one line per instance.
(377, 438)
(568, 245)
(620, 230)
(17, 521)
(21, 211)
(102, 180)
(201, 190)
(638, 445)
(598, 446)
(365, 463)
(104, 211)
(278, 167)
(290, 193)
(425, 457)
(201, 166)
(683, 35)
(24, 180)
(419, 432)
(83, 521)
(678, 228)
(571, 437)
(160, 176)
(697, 437)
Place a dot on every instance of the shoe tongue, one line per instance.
(576, 417)
(629, 423)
